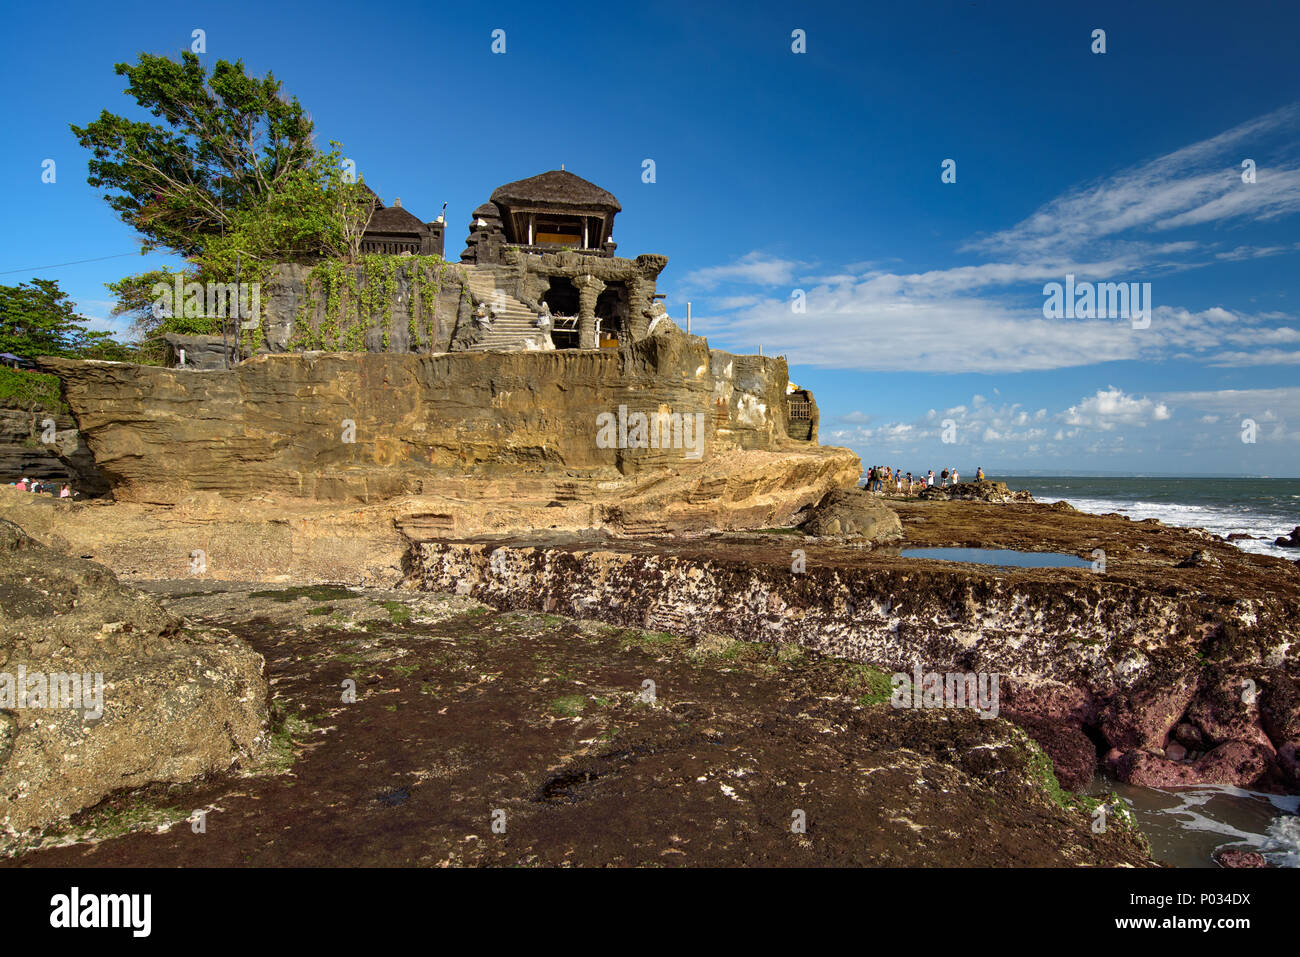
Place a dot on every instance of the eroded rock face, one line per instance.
(24, 454)
(140, 698)
(854, 514)
(372, 427)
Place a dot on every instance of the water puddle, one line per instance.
(1186, 825)
(1005, 557)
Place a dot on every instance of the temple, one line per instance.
(544, 246)
(393, 230)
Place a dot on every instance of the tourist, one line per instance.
(909, 483)
(929, 479)
(944, 477)
(22, 484)
(955, 478)
(66, 491)
(979, 474)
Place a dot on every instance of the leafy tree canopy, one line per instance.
(40, 319)
(229, 142)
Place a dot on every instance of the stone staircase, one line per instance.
(514, 321)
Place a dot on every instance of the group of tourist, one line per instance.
(46, 488)
(884, 479)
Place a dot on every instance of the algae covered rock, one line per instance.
(856, 514)
(101, 689)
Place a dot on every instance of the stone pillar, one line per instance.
(589, 287)
(639, 297)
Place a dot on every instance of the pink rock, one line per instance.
(1152, 771)
(1176, 752)
(1073, 754)
(1144, 718)
(1288, 761)
(1239, 763)
(1048, 700)
(1189, 736)
(1279, 708)
(1226, 708)
(1240, 858)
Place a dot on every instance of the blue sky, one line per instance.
(777, 171)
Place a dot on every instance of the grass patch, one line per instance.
(397, 611)
(869, 685)
(637, 638)
(322, 610)
(286, 734)
(568, 706)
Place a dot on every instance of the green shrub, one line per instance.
(31, 390)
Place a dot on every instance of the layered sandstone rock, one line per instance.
(25, 453)
(366, 428)
(101, 689)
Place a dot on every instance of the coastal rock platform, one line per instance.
(479, 737)
(1101, 664)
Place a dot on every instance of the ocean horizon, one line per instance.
(1263, 508)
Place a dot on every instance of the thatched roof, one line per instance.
(394, 219)
(556, 188)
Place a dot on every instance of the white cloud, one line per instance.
(987, 317)
(755, 268)
(1111, 407)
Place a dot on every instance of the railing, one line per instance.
(800, 409)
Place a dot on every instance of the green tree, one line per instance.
(229, 142)
(314, 212)
(40, 319)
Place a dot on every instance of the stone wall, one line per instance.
(416, 313)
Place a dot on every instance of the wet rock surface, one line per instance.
(101, 689)
(464, 715)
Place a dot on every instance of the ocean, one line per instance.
(1264, 508)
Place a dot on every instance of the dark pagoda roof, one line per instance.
(555, 188)
(394, 219)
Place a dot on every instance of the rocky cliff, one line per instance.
(370, 427)
(23, 451)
